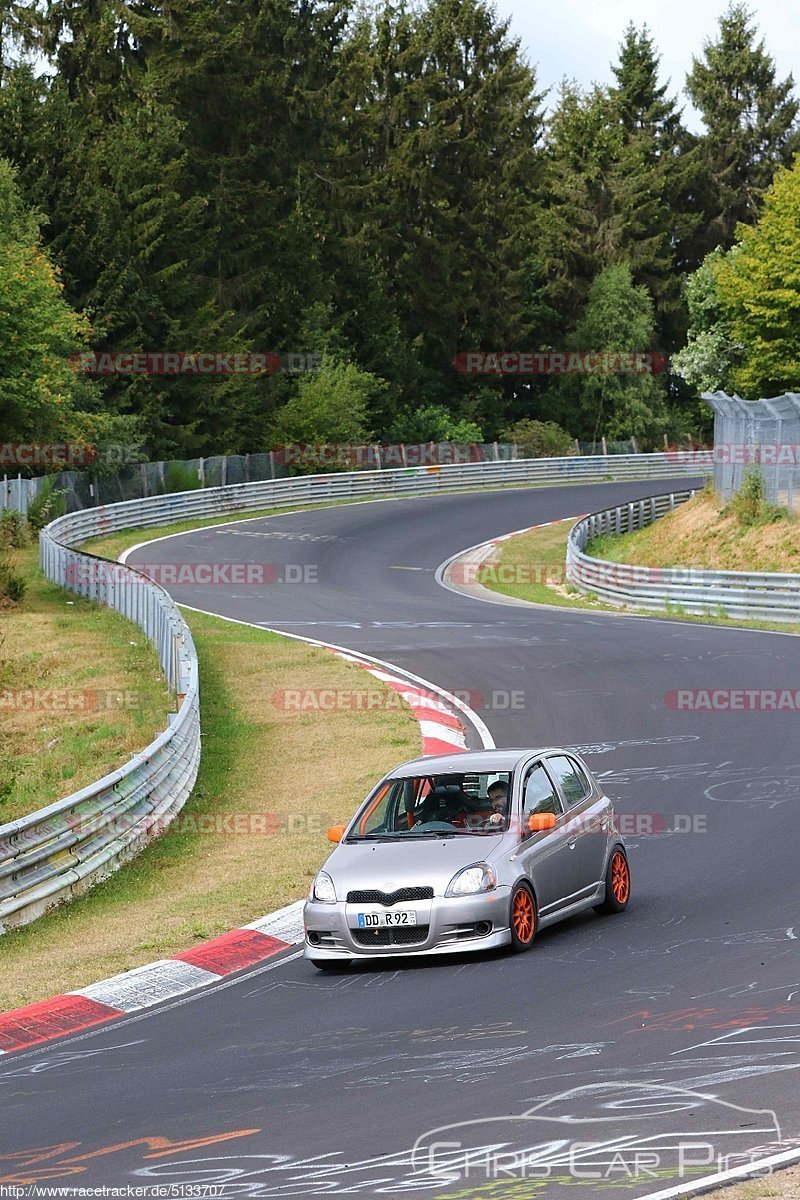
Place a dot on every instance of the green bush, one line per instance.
(12, 585)
(330, 405)
(540, 439)
(433, 423)
(179, 478)
(13, 530)
(45, 507)
(749, 504)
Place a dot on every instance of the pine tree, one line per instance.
(443, 196)
(751, 123)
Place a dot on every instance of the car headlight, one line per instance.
(322, 888)
(472, 880)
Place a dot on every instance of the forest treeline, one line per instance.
(381, 189)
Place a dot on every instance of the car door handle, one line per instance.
(571, 842)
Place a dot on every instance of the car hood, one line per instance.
(388, 866)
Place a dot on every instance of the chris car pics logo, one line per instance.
(611, 1135)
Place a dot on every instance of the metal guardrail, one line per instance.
(60, 851)
(56, 853)
(758, 595)
(400, 481)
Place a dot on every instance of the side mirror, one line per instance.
(539, 822)
(336, 833)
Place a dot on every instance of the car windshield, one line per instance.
(435, 806)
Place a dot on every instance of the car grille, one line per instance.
(387, 899)
(405, 936)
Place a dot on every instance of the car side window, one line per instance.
(539, 795)
(572, 780)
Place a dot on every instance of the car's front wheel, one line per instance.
(327, 964)
(618, 884)
(522, 918)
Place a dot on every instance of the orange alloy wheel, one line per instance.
(620, 878)
(523, 916)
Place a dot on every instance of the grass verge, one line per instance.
(707, 535)
(531, 567)
(80, 690)
(783, 1185)
(284, 774)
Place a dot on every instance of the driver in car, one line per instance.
(491, 817)
(497, 794)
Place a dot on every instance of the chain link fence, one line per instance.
(760, 434)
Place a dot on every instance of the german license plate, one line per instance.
(374, 920)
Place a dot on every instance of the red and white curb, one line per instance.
(473, 558)
(208, 962)
(442, 731)
(145, 986)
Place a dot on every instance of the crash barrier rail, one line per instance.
(114, 477)
(400, 481)
(757, 595)
(58, 852)
(61, 850)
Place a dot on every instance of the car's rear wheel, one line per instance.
(522, 918)
(618, 884)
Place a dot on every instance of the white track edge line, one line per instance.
(723, 1178)
(356, 655)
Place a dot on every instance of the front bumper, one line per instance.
(445, 925)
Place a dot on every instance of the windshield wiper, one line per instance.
(372, 837)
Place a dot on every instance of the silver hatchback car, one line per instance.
(467, 852)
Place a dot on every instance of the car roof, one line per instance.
(471, 761)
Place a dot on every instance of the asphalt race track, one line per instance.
(646, 1050)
